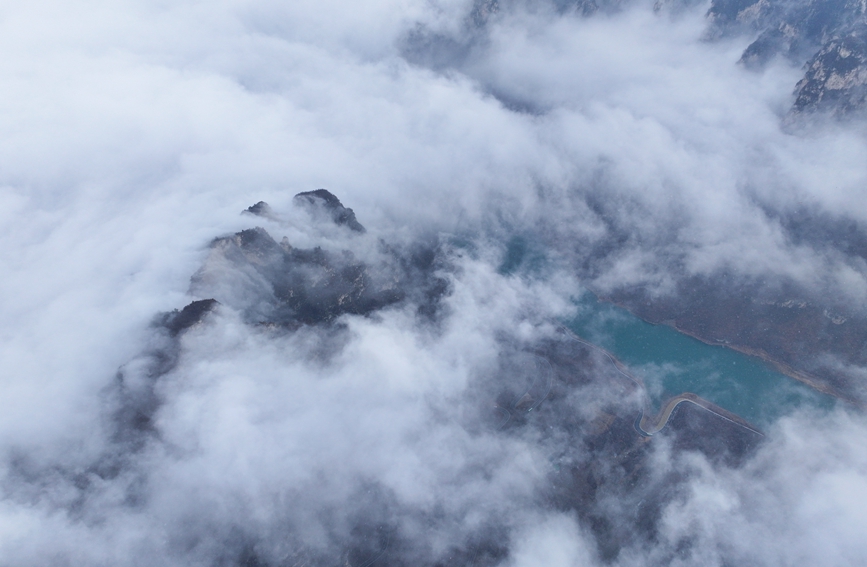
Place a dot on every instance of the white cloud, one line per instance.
(135, 132)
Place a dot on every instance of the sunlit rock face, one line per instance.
(836, 77)
(827, 36)
(793, 29)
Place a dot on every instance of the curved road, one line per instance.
(649, 425)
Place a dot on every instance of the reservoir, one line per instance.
(671, 363)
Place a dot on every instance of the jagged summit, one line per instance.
(261, 209)
(289, 286)
(274, 283)
(322, 198)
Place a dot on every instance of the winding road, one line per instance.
(649, 425)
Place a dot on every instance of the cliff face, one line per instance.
(836, 77)
(827, 36)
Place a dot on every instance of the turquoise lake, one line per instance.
(671, 363)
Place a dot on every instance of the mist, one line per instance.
(626, 147)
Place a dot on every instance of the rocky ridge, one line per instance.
(571, 397)
(826, 36)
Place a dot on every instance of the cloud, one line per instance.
(623, 146)
(555, 541)
(798, 500)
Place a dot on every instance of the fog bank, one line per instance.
(629, 150)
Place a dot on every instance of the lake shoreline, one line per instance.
(804, 377)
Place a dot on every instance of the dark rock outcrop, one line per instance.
(278, 284)
(290, 286)
(192, 314)
(134, 391)
(306, 286)
(261, 209)
(323, 199)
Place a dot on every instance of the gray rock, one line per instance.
(323, 199)
(261, 209)
(836, 77)
(827, 36)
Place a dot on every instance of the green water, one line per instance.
(670, 362)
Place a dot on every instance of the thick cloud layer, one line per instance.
(628, 148)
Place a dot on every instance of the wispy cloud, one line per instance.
(628, 147)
